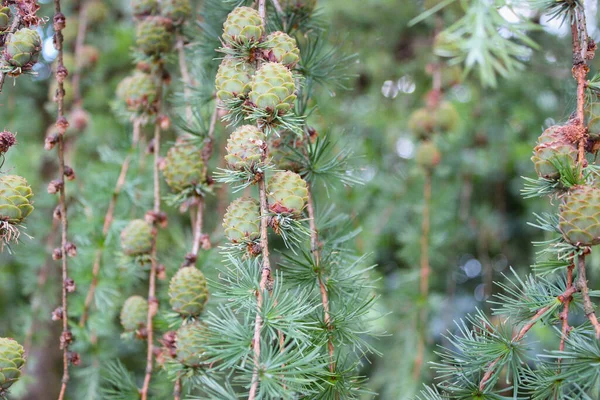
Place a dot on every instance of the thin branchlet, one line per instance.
(61, 73)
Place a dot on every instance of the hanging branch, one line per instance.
(266, 282)
(491, 369)
(66, 249)
(108, 220)
(583, 50)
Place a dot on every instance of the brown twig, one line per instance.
(491, 369)
(588, 306)
(564, 315)
(108, 220)
(262, 10)
(62, 124)
(152, 301)
(266, 283)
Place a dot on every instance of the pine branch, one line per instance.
(66, 248)
(266, 282)
(152, 300)
(491, 368)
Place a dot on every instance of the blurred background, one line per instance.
(478, 219)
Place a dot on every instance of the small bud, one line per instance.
(161, 272)
(51, 141)
(66, 338)
(57, 254)
(71, 249)
(73, 358)
(57, 314)
(57, 214)
(189, 260)
(61, 75)
(150, 147)
(164, 122)
(157, 218)
(169, 340)
(7, 140)
(70, 285)
(55, 186)
(312, 134)
(69, 173)
(62, 125)
(60, 22)
(141, 333)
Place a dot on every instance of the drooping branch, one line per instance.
(266, 283)
(152, 300)
(491, 368)
(66, 249)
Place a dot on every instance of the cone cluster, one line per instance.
(269, 89)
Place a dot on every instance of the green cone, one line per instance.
(15, 199)
(188, 292)
(273, 89)
(189, 347)
(425, 121)
(12, 360)
(142, 8)
(282, 49)
(553, 146)
(242, 220)
(183, 166)
(287, 193)
(246, 148)
(134, 314)
(428, 155)
(137, 92)
(97, 11)
(580, 216)
(233, 79)
(22, 48)
(153, 36)
(299, 6)
(176, 10)
(136, 238)
(243, 25)
(4, 18)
